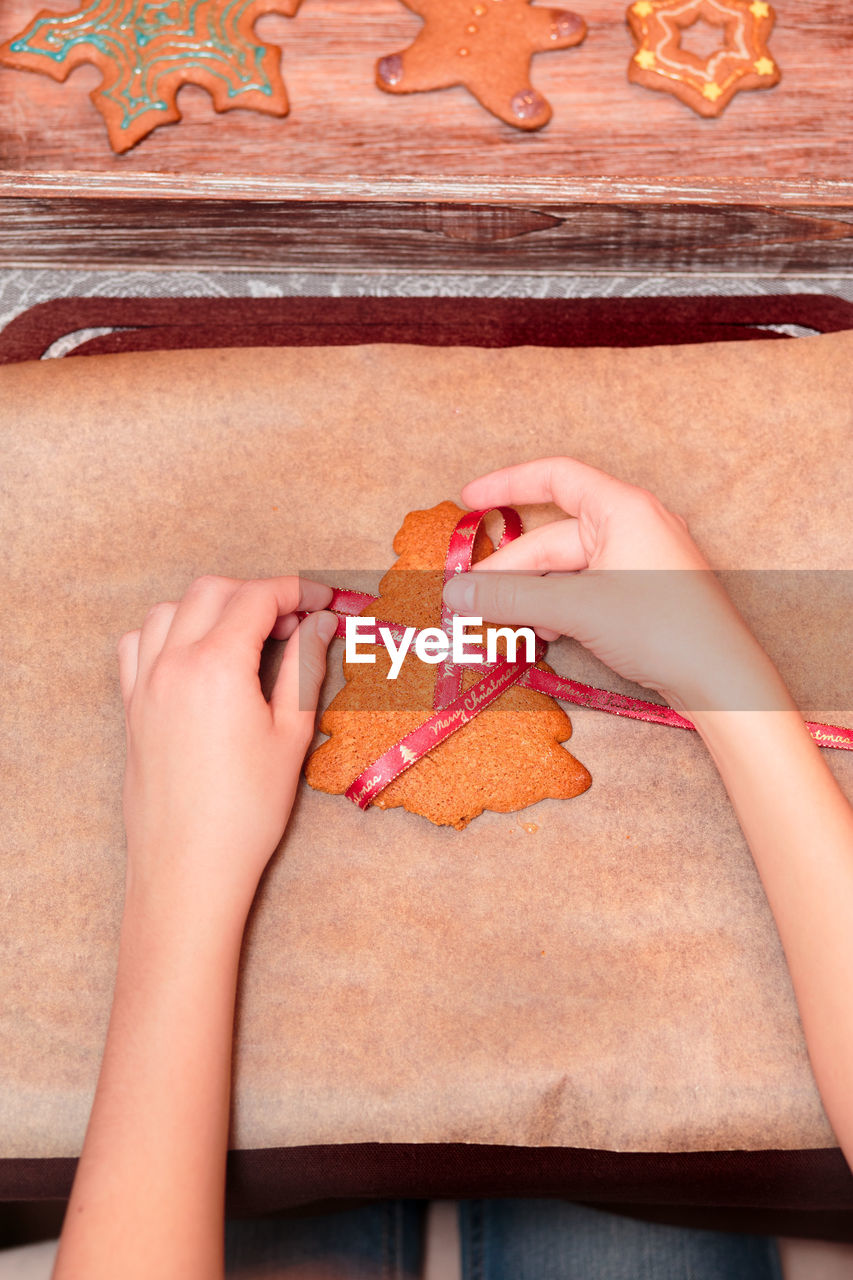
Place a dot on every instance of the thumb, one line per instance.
(303, 667)
(525, 599)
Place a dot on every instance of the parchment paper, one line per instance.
(601, 972)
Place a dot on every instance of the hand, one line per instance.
(212, 767)
(622, 576)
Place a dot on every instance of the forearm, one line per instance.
(799, 827)
(148, 1196)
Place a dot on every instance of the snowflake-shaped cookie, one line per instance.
(706, 84)
(147, 49)
(485, 45)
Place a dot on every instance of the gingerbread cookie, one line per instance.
(707, 84)
(485, 45)
(507, 757)
(146, 49)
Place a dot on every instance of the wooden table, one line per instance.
(621, 180)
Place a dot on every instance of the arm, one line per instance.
(212, 769)
(799, 827)
(624, 578)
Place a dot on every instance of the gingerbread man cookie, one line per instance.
(706, 84)
(507, 757)
(485, 45)
(146, 49)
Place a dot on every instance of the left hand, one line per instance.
(212, 767)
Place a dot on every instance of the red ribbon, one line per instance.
(459, 555)
(453, 709)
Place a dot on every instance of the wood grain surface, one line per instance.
(419, 236)
(340, 123)
(575, 187)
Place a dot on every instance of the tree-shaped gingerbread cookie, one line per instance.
(506, 757)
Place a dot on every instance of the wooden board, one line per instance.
(621, 179)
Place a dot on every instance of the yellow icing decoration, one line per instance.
(740, 61)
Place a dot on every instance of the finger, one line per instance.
(303, 667)
(205, 602)
(128, 662)
(521, 598)
(251, 613)
(565, 481)
(284, 627)
(555, 546)
(153, 634)
(200, 608)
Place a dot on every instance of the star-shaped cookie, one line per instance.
(707, 84)
(485, 45)
(146, 49)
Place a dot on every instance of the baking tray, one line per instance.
(806, 1192)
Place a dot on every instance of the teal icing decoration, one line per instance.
(148, 48)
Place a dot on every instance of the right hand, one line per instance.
(622, 576)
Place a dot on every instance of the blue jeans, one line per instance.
(554, 1240)
(501, 1240)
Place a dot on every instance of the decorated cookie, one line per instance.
(146, 49)
(505, 757)
(707, 84)
(485, 45)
